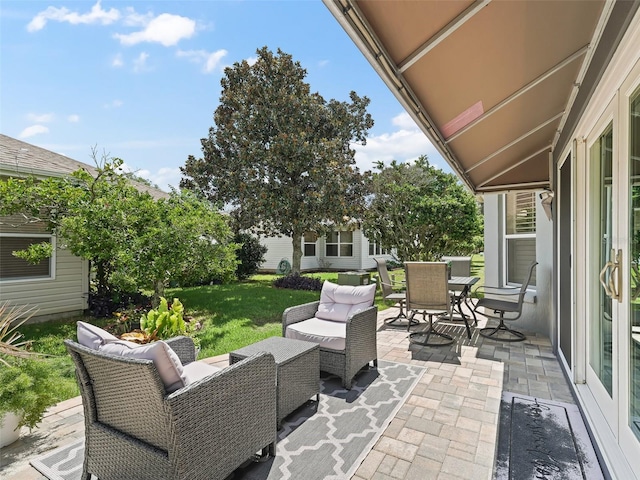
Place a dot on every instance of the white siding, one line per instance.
(65, 295)
(277, 249)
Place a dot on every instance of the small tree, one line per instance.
(250, 255)
(280, 156)
(129, 237)
(421, 212)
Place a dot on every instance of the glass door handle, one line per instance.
(610, 285)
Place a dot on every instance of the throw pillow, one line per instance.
(339, 302)
(93, 337)
(164, 358)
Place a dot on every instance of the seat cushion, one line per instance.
(164, 358)
(339, 302)
(327, 333)
(194, 371)
(93, 337)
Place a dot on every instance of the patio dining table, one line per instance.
(462, 287)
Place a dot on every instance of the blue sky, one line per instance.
(141, 79)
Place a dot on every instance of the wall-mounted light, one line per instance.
(546, 198)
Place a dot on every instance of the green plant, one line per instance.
(27, 382)
(165, 322)
(27, 388)
(250, 255)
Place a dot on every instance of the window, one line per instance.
(309, 244)
(339, 244)
(13, 268)
(520, 236)
(375, 249)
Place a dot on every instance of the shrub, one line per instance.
(250, 254)
(102, 306)
(296, 281)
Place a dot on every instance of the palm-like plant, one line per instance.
(11, 318)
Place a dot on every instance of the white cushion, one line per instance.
(93, 337)
(339, 302)
(327, 333)
(164, 358)
(194, 371)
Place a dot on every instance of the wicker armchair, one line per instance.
(359, 341)
(205, 430)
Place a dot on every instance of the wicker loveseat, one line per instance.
(343, 322)
(204, 430)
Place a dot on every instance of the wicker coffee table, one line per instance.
(297, 366)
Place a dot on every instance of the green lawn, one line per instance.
(232, 316)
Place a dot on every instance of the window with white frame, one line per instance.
(309, 244)
(375, 249)
(14, 268)
(520, 236)
(339, 244)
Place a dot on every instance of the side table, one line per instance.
(297, 370)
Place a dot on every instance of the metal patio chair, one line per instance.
(428, 293)
(390, 291)
(500, 307)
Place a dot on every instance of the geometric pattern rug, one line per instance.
(543, 439)
(321, 441)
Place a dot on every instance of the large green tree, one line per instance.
(279, 155)
(421, 212)
(131, 239)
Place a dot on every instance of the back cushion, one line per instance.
(164, 358)
(339, 302)
(93, 337)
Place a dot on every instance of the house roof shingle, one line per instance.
(21, 158)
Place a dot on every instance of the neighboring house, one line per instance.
(340, 250)
(59, 286)
(539, 97)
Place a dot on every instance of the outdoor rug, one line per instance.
(543, 439)
(321, 441)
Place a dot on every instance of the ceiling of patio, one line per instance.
(489, 82)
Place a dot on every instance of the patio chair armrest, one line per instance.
(231, 413)
(362, 325)
(489, 290)
(298, 313)
(184, 348)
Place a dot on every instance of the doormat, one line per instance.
(543, 439)
(321, 441)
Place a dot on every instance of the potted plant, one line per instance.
(26, 385)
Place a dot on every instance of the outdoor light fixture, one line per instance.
(546, 198)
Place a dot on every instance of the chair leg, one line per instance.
(440, 339)
(394, 322)
(512, 335)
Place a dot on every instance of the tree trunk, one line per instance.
(296, 241)
(158, 291)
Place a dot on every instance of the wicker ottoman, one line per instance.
(297, 367)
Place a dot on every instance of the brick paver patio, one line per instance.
(447, 428)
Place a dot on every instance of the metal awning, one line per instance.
(489, 82)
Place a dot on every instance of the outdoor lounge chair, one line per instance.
(343, 322)
(390, 292)
(501, 307)
(428, 293)
(206, 429)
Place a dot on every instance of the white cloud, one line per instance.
(166, 29)
(140, 63)
(404, 121)
(208, 60)
(323, 63)
(117, 61)
(135, 19)
(40, 117)
(403, 145)
(113, 104)
(73, 118)
(252, 60)
(63, 14)
(33, 130)
(164, 177)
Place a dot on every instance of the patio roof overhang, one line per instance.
(490, 83)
